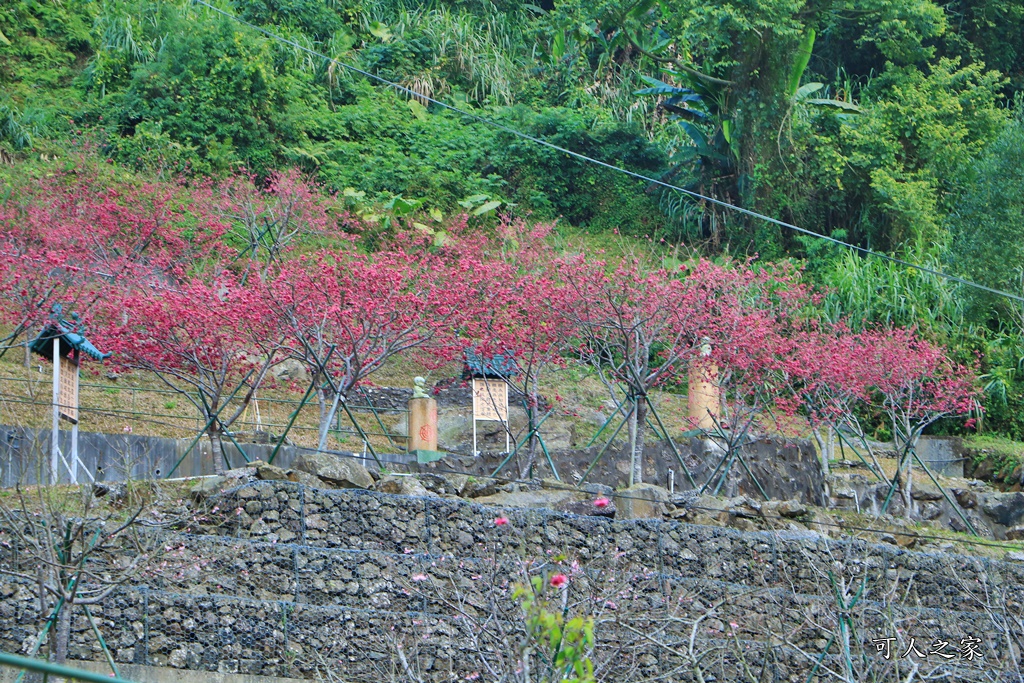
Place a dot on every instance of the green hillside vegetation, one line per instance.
(893, 124)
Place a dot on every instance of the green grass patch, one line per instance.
(995, 454)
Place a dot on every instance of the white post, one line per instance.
(475, 451)
(74, 453)
(55, 430)
(508, 423)
(74, 425)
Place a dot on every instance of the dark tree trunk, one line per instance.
(217, 450)
(63, 634)
(637, 424)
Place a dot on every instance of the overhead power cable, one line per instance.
(583, 157)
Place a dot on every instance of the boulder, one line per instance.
(741, 506)
(641, 501)
(443, 484)
(207, 486)
(1015, 534)
(707, 504)
(791, 509)
(1006, 509)
(339, 471)
(306, 479)
(966, 498)
(931, 511)
(551, 499)
(402, 485)
(983, 470)
(925, 491)
(456, 483)
(269, 472)
(906, 541)
(240, 475)
(478, 487)
(289, 370)
(685, 498)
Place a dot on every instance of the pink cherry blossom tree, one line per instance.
(916, 384)
(517, 315)
(829, 382)
(642, 325)
(212, 341)
(68, 236)
(348, 313)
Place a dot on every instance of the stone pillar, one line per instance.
(422, 424)
(703, 395)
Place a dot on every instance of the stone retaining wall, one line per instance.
(295, 581)
(801, 561)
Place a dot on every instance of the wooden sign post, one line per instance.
(490, 390)
(490, 403)
(55, 428)
(63, 344)
(65, 405)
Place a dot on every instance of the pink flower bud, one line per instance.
(559, 580)
(501, 521)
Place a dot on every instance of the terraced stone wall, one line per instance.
(294, 581)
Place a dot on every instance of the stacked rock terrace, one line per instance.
(292, 580)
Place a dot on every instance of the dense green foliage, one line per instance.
(988, 223)
(889, 123)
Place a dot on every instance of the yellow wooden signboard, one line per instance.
(68, 399)
(490, 400)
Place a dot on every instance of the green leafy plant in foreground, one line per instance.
(561, 645)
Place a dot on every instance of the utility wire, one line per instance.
(655, 181)
(582, 157)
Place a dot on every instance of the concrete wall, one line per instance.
(943, 455)
(785, 470)
(25, 453)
